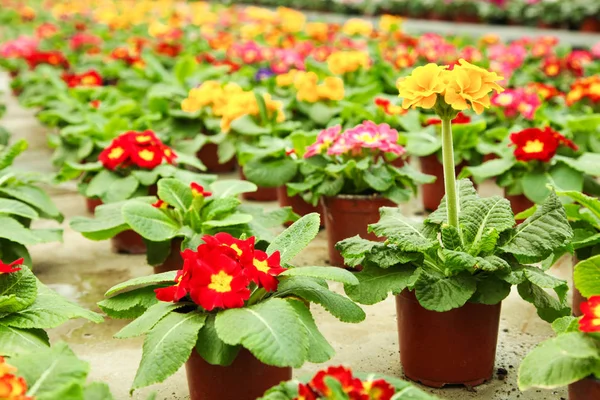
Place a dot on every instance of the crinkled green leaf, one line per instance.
(587, 276)
(407, 235)
(440, 293)
(150, 222)
(375, 283)
(129, 305)
(466, 193)
(295, 238)
(18, 290)
(142, 281)
(479, 216)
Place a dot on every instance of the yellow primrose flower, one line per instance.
(390, 23)
(292, 21)
(306, 84)
(317, 31)
(287, 79)
(422, 87)
(157, 28)
(332, 88)
(341, 62)
(470, 86)
(357, 26)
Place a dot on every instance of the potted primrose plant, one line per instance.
(238, 317)
(130, 167)
(181, 215)
(22, 201)
(451, 273)
(28, 307)
(526, 172)
(348, 172)
(340, 383)
(573, 356)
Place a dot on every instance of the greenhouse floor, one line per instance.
(82, 270)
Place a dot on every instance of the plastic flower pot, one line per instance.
(433, 193)
(590, 24)
(174, 260)
(299, 206)
(262, 194)
(519, 203)
(447, 348)
(128, 242)
(350, 215)
(209, 157)
(245, 379)
(92, 203)
(577, 297)
(585, 389)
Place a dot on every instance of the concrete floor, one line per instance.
(82, 270)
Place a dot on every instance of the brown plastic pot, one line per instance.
(519, 203)
(209, 157)
(590, 24)
(299, 206)
(347, 216)
(457, 347)
(92, 203)
(585, 389)
(261, 194)
(577, 297)
(434, 192)
(245, 379)
(128, 242)
(174, 260)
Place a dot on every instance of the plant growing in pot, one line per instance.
(573, 356)
(130, 167)
(526, 172)
(348, 172)
(237, 317)
(28, 307)
(341, 383)
(181, 215)
(451, 273)
(22, 201)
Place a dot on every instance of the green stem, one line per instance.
(449, 178)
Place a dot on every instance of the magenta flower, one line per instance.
(517, 101)
(325, 139)
(596, 50)
(21, 47)
(372, 136)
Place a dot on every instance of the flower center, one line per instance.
(367, 138)
(146, 155)
(236, 249)
(116, 153)
(143, 139)
(262, 266)
(220, 282)
(88, 80)
(504, 99)
(533, 146)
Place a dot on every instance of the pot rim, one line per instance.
(374, 196)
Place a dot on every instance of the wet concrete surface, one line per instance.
(83, 270)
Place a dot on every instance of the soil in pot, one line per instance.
(585, 389)
(457, 347)
(245, 379)
(299, 206)
(209, 157)
(262, 194)
(174, 260)
(128, 242)
(519, 203)
(432, 193)
(347, 216)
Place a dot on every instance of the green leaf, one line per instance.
(379, 178)
(538, 277)
(466, 193)
(16, 341)
(51, 372)
(451, 238)
(157, 252)
(295, 238)
(588, 163)
(548, 308)
(18, 290)
(165, 277)
(14, 207)
(559, 361)
(15, 232)
(217, 207)
(148, 320)
(328, 273)
(457, 261)
(185, 67)
(267, 172)
(100, 183)
(319, 350)
(230, 220)
(121, 189)
(150, 222)
(491, 290)
(36, 198)
(489, 169)
(591, 203)
(566, 178)
(8, 154)
(376, 283)
(245, 125)
(407, 235)
(167, 347)
(231, 188)
(49, 310)
(482, 215)
(539, 235)
(175, 193)
(210, 346)
(565, 325)
(587, 276)
(309, 289)
(271, 330)
(97, 391)
(129, 305)
(440, 293)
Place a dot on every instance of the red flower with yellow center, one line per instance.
(388, 107)
(10, 268)
(350, 385)
(264, 269)
(11, 386)
(218, 281)
(535, 144)
(95, 104)
(198, 190)
(160, 204)
(90, 78)
(378, 390)
(240, 250)
(305, 393)
(142, 149)
(177, 292)
(590, 322)
(552, 66)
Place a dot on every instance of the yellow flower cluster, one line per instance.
(390, 23)
(341, 62)
(308, 87)
(465, 86)
(357, 26)
(229, 102)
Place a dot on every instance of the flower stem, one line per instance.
(449, 178)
